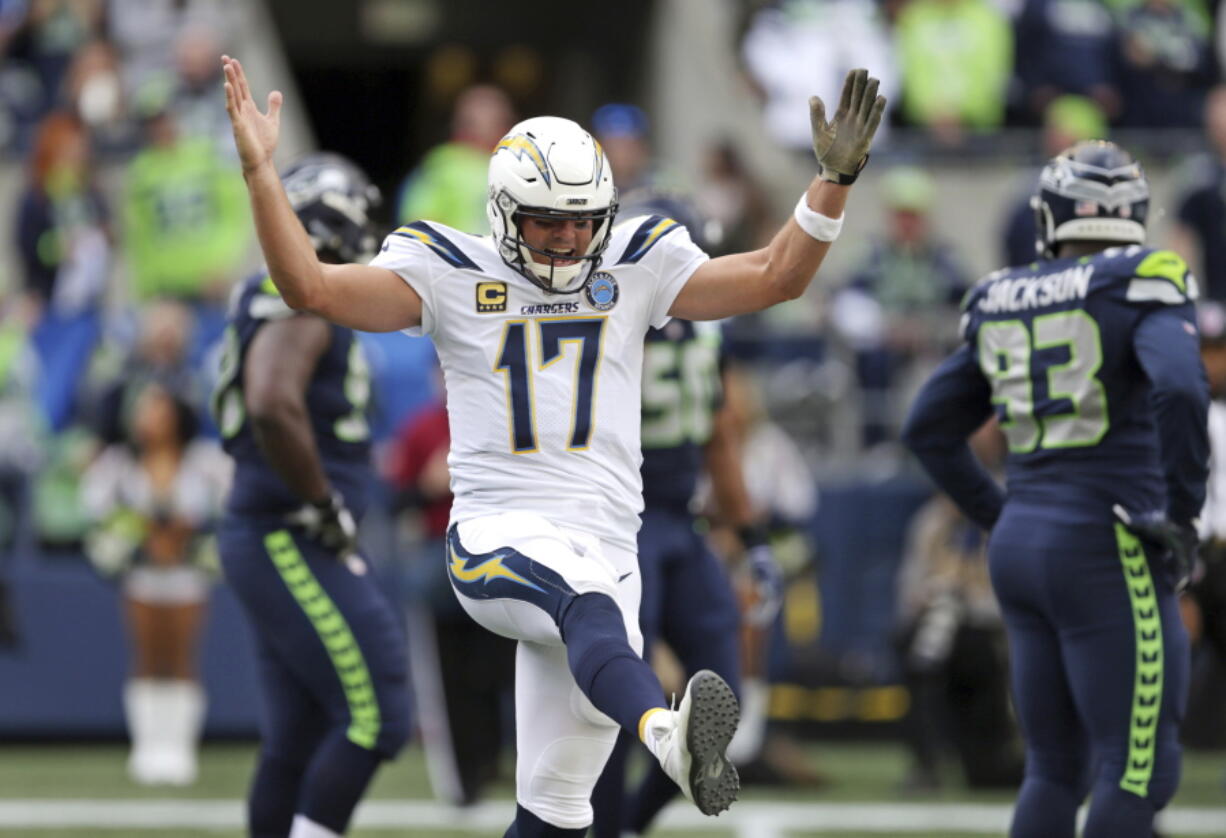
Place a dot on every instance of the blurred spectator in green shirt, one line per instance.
(449, 184)
(956, 58)
(186, 220)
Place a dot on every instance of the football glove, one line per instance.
(330, 523)
(766, 574)
(842, 144)
(1178, 542)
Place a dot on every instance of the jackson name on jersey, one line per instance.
(1054, 341)
(543, 390)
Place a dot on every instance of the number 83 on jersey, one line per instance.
(1014, 357)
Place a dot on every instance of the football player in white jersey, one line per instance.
(545, 455)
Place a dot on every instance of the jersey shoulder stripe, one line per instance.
(265, 302)
(653, 228)
(1142, 290)
(1162, 276)
(1164, 264)
(442, 246)
(257, 298)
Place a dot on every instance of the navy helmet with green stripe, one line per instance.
(1093, 191)
(334, 200)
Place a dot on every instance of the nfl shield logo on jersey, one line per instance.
(601, 291)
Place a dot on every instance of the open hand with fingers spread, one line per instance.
(842, 144)
(255, 133)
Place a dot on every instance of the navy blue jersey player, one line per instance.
(290, 404)
(687, 598)
(1089, 359)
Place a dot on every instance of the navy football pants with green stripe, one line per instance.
(1100, 671)
(332, 662)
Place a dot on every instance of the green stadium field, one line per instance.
(75, 791)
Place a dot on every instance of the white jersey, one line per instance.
(543, 389)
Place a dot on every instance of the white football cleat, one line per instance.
(691, 742)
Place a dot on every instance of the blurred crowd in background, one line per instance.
(130, 225)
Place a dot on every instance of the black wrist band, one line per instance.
(841, 179)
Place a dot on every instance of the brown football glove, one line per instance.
(842, 144)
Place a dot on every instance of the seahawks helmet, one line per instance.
(334, 200)
(1093, 191)
(550, 168)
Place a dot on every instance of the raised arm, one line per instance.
(359, 296)
(743, 282)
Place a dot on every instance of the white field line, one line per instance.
(746, 820)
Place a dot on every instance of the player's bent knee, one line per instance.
(1167, 768)
(1069, 769)
(559, 788)
(394, 734)
(1162, 787)
(1154, 780)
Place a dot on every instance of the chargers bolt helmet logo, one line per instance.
(601, 291)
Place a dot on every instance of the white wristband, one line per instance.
(821, 227)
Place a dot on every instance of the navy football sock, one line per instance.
(528, 825)
(337, 777)
(611, 675)
(274, 796)
(654, 793)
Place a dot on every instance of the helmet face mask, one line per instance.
(334, 200)
(550, 169)
(1093, 191)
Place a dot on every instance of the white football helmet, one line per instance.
(548, 167)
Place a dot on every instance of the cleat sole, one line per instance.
(713, 717)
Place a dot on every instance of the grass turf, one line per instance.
(857, 773)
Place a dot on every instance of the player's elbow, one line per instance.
(296, 298)
(926, 439)
(783, 285)
(299, 292)
(1186, 388)
(788, 291)
(273, 408)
